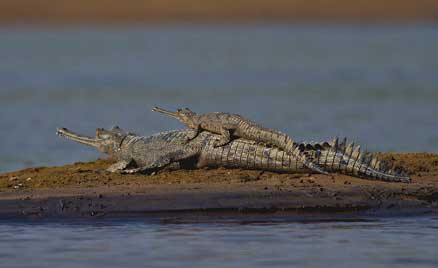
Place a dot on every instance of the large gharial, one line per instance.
(233, 125)
(146, 154)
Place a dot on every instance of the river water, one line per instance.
(377, 84)
(387, 242)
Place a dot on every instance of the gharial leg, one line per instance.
(158, 164)
(121, 166)
(224, 139)
(163, 161)
(195, 134)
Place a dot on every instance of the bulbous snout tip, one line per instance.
(60, 131)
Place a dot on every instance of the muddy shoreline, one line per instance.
(85, 190)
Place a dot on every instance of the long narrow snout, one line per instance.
(63, 132)
(169, 113)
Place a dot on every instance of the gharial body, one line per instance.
(146, 154)
(233, 125)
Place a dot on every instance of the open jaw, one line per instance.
(169, 113)
(63, 132)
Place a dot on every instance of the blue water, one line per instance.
(376, 84)
(388, 242)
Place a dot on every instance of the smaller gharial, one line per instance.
(230, 126)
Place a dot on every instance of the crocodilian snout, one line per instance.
(169, 113)
(63, 132)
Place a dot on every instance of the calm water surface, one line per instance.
(394, 242)
(376, 84)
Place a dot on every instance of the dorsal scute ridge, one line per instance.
(349, 149)
(343, 144)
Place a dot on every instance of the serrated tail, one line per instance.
(351, 161)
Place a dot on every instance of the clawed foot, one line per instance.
(139, 170)
(130, 171)
(120, 166)
(129, 167)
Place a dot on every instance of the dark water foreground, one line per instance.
(226, 242)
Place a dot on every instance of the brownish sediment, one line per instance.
(158, 11)
(85, 189)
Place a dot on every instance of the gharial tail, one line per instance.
(301, 156)
(293, 149)
(348, 159)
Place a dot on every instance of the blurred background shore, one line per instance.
(228, 11)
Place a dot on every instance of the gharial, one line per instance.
(233, 125)
(146, 154)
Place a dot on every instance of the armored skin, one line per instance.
(146, 154)
(233, 125)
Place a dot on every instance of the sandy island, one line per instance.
(87, 190)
